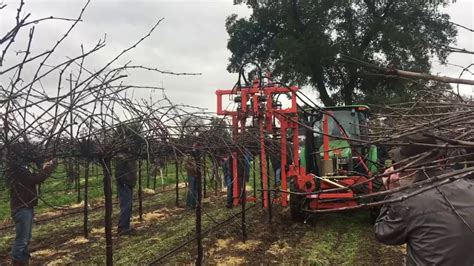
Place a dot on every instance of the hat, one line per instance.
(406, 151)
(388, 163)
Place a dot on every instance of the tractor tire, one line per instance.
(297, 203)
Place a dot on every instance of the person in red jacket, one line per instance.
(23, 198)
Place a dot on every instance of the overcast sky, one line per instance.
(192, 38)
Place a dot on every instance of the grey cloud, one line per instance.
(192, 38)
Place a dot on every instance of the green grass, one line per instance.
(57, 191)
(73, 224)
(331, 239)
(339, 241)
(155, 238)
(169, 235)
(346, 238)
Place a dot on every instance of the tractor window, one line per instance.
(347, 119)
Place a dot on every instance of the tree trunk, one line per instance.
(348, 89)
(318, 80)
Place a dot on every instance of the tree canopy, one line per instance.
(300, 40)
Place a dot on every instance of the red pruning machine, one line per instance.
(323, 167)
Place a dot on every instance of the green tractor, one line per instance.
(334, 158)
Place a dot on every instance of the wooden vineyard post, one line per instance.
(147, 173)
(155, 168)
(261, 180)
(106, 168)
(70, 173)
(204, 176)
(77, 175)
(269, 194)
(198, 211)
(177, 182)
(86, 199)
(244, 195)
(161, 178)
(166, 171)
(254, 178)
(140, 191)
(215, 170)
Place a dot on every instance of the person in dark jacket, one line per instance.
(243, 167)
(275, 158)
(23, 199)
(191, 171)
(244, 160)
(437, 225)
(276, 164)
(126, 176)
(227, 163)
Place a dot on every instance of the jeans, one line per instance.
(278, 176)
(228, 180)
(126, 202)
(191, 198)
(23, 219)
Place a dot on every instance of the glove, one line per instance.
(50, 165)
(392, 180)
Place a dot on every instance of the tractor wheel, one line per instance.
(296, 205)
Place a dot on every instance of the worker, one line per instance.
(275, 158)
(191, 171)
(243, 169)
(227, 169)
(23, 197)
(248, 158)
(437, 225)
(126, 176)
(244, 161)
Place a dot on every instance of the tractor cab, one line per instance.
(330, 147)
